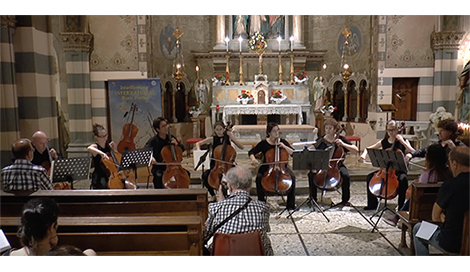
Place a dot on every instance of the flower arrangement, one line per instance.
(257, 42)
(300, 76)
(195, 109)
(244, 97)
(438, 116)
(327, 108)
(221, 77)
(277, 97)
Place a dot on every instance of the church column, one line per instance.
(445, 45)
(297, 32)
(77, 47)
(345, 91)
(358, 112)
(9, 118)
(220, 28)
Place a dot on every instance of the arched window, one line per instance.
(352, 101)
(364, 100)
(168, 101)
(180, 103)
(338, 100)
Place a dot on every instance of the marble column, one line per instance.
(9, 116)
(77, 47)
(345, 90)
(297, 32)
(445, 45)
(220, 32)
(358, 112)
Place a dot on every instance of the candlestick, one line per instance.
(291, 43)
(226, 43)
(240, 39)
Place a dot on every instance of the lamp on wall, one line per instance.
(346, 73)
(178, 62)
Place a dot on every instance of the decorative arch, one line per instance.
(175, 99)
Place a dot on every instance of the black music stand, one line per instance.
(70, 169)
(307, 159)
(133, 159)
(202, 159)
(388, 160)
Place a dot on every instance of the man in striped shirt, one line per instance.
(22, 175)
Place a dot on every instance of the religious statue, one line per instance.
(463, 102)
(201, 91)
(256, 24)
(318, 92)
(240, 22)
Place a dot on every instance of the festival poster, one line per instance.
(133, 104)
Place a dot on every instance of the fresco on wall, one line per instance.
(409, 49)
(116, 52)
(168, 43)
(354, 42)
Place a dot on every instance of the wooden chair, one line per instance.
(238, 244)
(465, 248)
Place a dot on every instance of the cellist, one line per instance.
(404, 145)
(331, 138)
(272, 134)
(99, 178)
(216, 139)
(157, 143)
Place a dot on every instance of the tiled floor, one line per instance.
(348, 232)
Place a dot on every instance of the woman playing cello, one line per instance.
(332, 137)
(272, 134)
(391, 138)
(157, 143)
(99, 150)
(216, 140)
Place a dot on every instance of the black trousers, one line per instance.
(372, 201)
(345, 185)
(290, 194)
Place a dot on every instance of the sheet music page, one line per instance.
(426, 230)
(4, 244)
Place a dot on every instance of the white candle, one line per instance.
(291, 43)
(197, 71)
(240, 39)
(279, 40)
(226, 43)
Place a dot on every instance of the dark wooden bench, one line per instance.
(161, 202)
(423, 196)
(131, 235)
(465, 248)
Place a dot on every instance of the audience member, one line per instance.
(451, 204)
(255, 216)
(22, 174)
(42, 153)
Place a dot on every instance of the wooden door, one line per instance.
(405, 98)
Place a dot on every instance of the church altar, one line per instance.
(266, 109)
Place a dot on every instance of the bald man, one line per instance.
(22, 175)
(41, 156)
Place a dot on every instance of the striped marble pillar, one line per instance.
(9, 118)
(77, 47)
(445, 45)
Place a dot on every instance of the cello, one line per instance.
(174, 176)
(276, 179)
(376, 184)
(331, 178)
(117, 179)
(129, 131)
(224, 156)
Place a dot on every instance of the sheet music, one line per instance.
(426, 230)
(4, 244)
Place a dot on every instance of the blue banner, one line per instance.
(133, 104)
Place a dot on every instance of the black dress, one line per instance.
(263, 147)
(345, 177)
(99, 178)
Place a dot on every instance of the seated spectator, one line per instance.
(255, 216)
(22, 174)
(451, 204)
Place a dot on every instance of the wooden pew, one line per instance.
(423, 196)
(465, 248)
(161, 202)
(132, 235)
